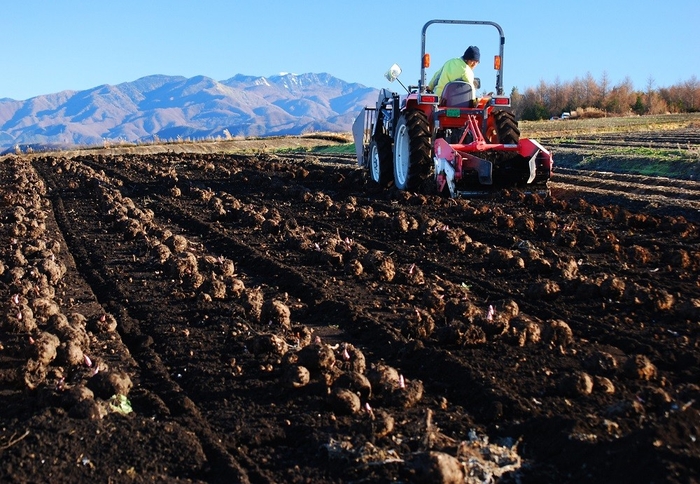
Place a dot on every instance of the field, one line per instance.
(182, 314)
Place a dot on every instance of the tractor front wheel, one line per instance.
(380, 160)
(412, 162)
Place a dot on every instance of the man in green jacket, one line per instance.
(457, 69)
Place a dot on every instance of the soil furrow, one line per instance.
(290, 322)
(153, 373)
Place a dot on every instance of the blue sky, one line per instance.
(49, 46)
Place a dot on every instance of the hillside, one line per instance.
(174, 107)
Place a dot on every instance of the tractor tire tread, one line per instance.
(507, 127)
(386, 173)
(420, 150)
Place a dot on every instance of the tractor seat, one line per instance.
(457, 94)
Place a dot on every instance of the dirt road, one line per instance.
(181, 317)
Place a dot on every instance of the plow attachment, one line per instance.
(478, 167)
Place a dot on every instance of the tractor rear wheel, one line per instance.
(380, 169)
(412, 162)
(510, 169)
(507, 127)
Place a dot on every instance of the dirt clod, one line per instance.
(273, 317)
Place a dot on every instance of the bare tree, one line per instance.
(604, 88)
(546, 100)
(621, 97)
(691, 94)
(558, 102)
(516, 100)
(542, 93)
(591, 91)
(649, 92)
(578, 93)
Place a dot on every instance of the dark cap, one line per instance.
(472, 53)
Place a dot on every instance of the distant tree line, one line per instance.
(589, 97)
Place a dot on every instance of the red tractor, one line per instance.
(469, 146)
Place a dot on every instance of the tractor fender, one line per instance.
(528, 147)
(364, 124)
(384, 95)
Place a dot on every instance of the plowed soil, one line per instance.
(175, 317)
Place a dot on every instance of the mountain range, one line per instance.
(163, 107)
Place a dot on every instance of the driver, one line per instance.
(457, 69)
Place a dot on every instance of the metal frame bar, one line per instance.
(499, 76)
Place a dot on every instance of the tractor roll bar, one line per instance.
(499, 76)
